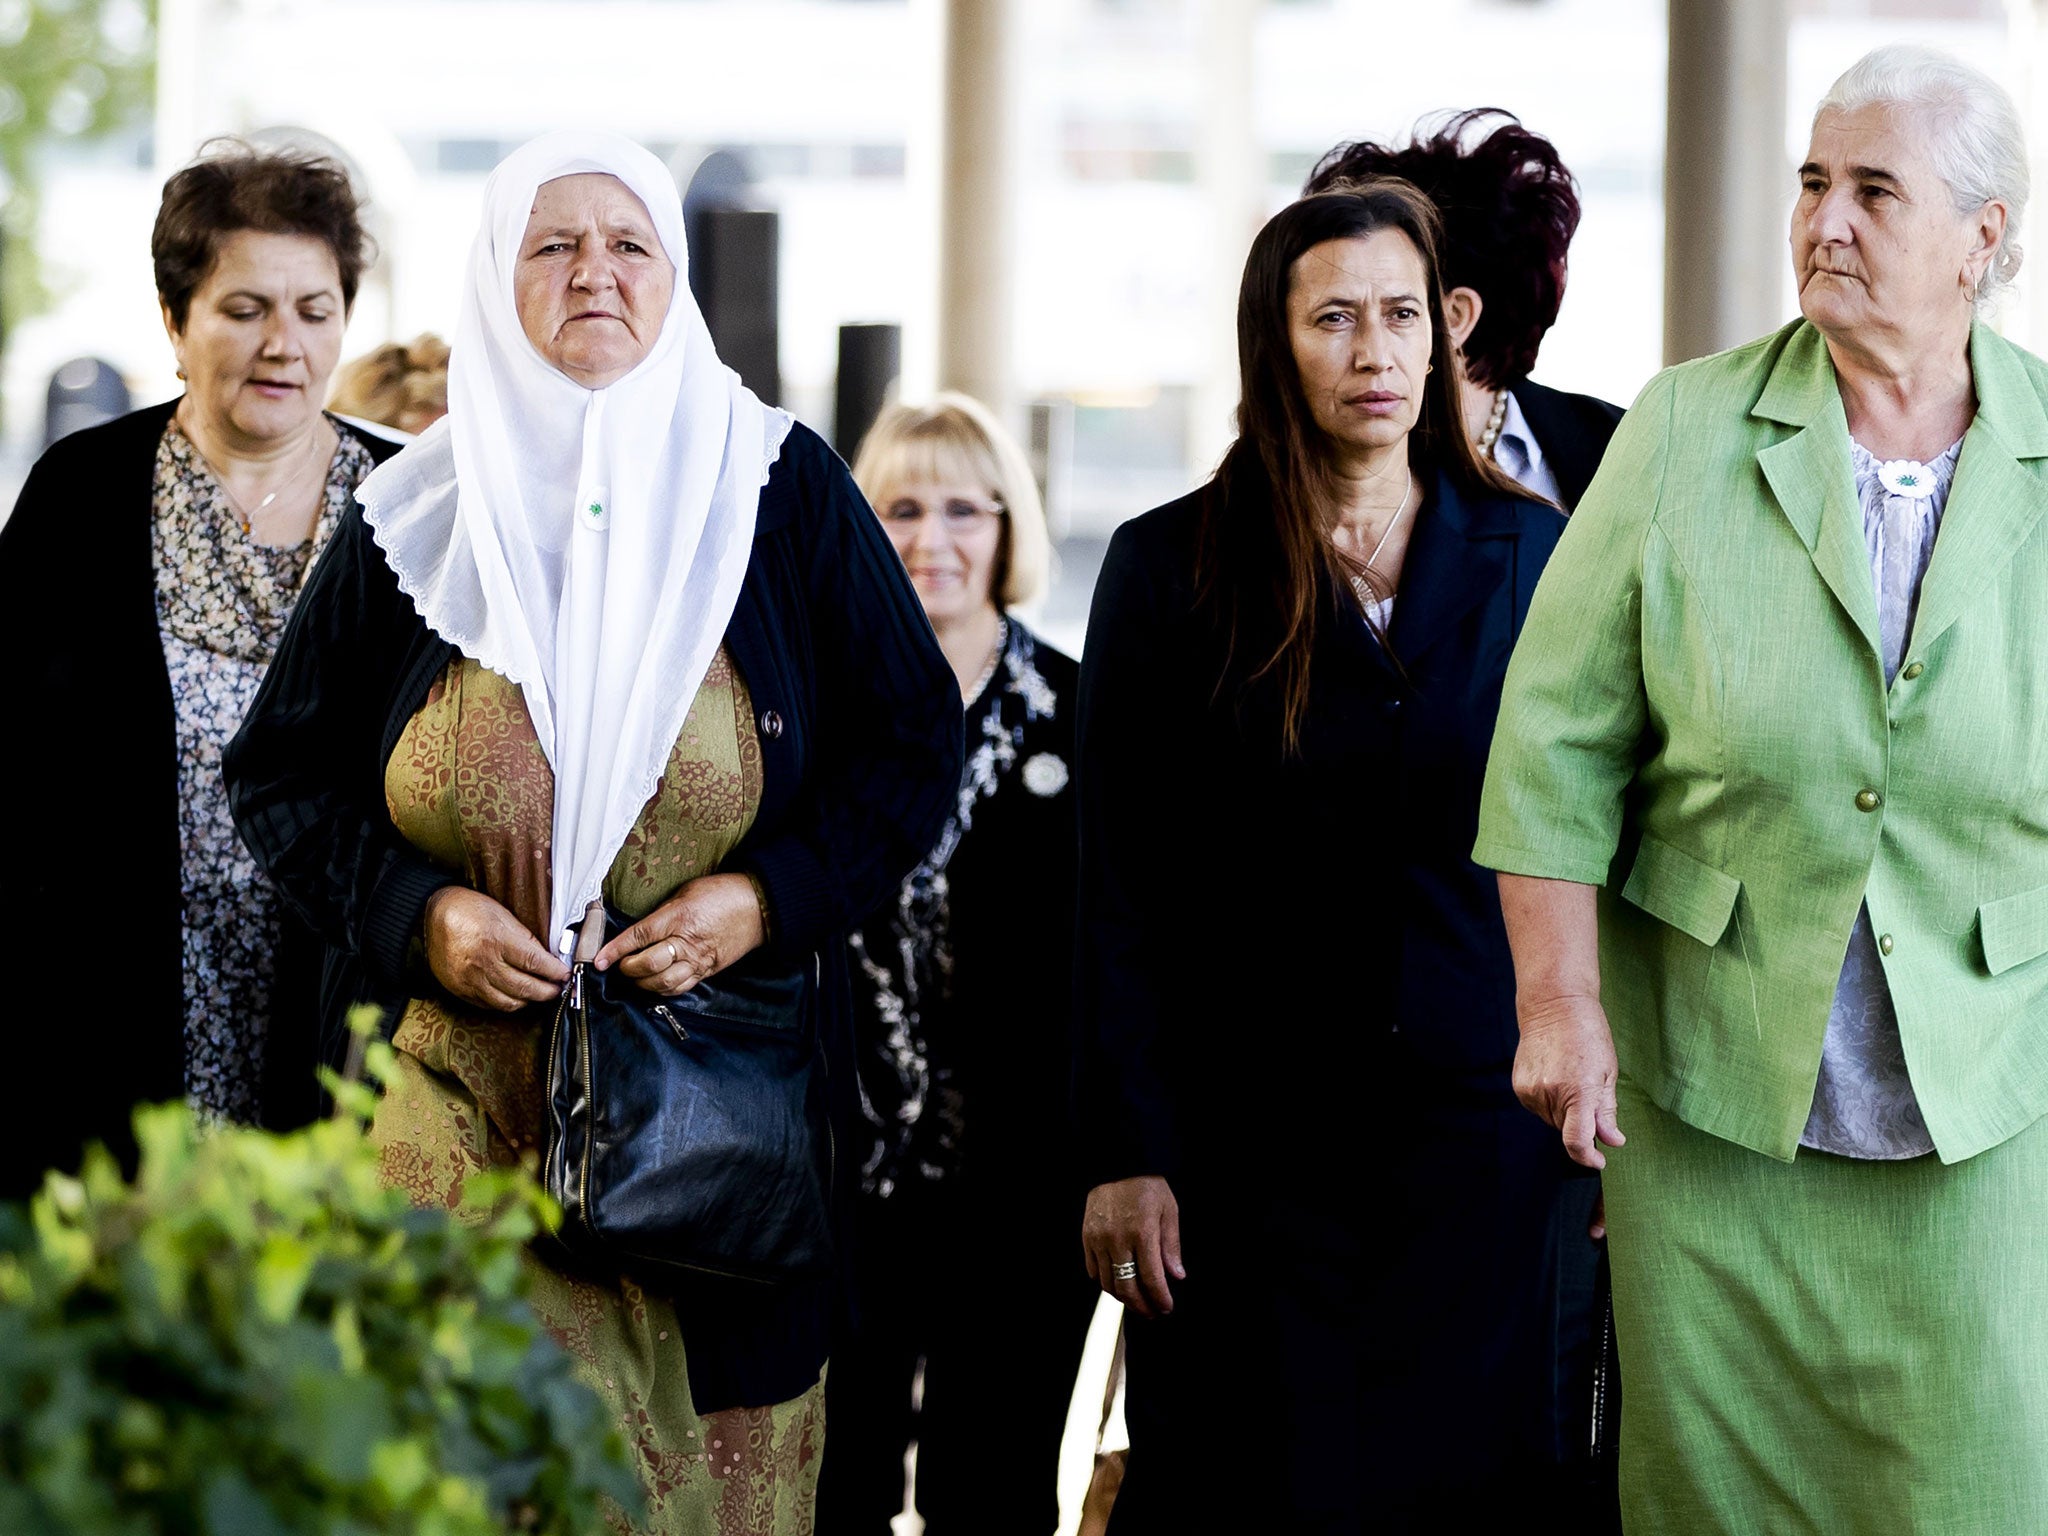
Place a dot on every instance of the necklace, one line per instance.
(244, 515)
(1359, 585)
(1392, 522)
(995, 657)
(1494, 420)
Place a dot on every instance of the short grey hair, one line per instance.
(1975, 138)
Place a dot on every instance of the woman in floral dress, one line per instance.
(180, 536)
(612, 629)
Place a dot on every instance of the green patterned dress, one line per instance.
(469, 785)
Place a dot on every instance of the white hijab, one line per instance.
(588, 545)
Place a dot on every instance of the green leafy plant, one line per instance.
(258, 1337)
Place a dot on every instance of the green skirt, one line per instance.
(1828, 1345)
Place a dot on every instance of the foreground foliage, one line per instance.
(259, 1338)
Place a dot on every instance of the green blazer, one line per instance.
(1696, 719)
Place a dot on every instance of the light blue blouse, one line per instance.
(1863, 1104)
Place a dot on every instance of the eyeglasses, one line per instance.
(958, 515)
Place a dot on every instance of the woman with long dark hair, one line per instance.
(1510, 207)
(1313, 1184)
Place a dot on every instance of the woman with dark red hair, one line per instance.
(1510, 209)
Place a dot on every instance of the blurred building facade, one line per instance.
(1145, 141)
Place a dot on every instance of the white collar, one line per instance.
(1513, 424)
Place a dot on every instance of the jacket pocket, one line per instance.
(2014, 929)
(1678, 889)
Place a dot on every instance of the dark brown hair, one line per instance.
(235, 186)
(1509, 210)
(1264, 560)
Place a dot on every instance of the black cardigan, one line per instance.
(89, 869)
(1269, 945)
(860, 746)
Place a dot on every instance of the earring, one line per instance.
(181, 372)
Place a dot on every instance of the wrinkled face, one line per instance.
(592, 283)
(948, 535)
(1358, 317)
(262, 336)
(1877, 243)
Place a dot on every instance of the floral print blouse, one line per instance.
(221, 605)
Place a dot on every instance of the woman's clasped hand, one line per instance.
(705, 927)
(483, 954)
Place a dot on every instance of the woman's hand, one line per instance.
(1134, 1221)
(484, 955)
(1564, 1071)
(697, 932)
(1565, 1068)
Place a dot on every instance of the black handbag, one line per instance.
(688, 1135)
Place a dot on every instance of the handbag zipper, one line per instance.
(1600, 1379)
(825, 1070)
(589, 1098)
(554, 1046)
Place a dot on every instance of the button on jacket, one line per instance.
(1696, 718)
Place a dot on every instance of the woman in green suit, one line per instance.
(1769, 799)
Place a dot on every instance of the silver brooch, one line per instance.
(1045, 774)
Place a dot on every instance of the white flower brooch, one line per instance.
(1906, 477)
(1045, 774)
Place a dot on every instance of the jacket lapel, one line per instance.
(1996, 498)
(1811, 476)
(1459, 556)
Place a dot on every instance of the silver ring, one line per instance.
(671, 954)
(1128, 1270)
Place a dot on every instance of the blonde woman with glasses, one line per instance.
(961, 993)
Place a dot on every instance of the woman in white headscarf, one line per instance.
(612, 629)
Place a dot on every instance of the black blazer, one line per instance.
(1247, 920)
(89, 868)
(1572, 430)
(860, 730)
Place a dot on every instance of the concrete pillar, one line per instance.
(977, 203)
(180, 25)
(2026, 321)
(1727, 180)
(1231, 168)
